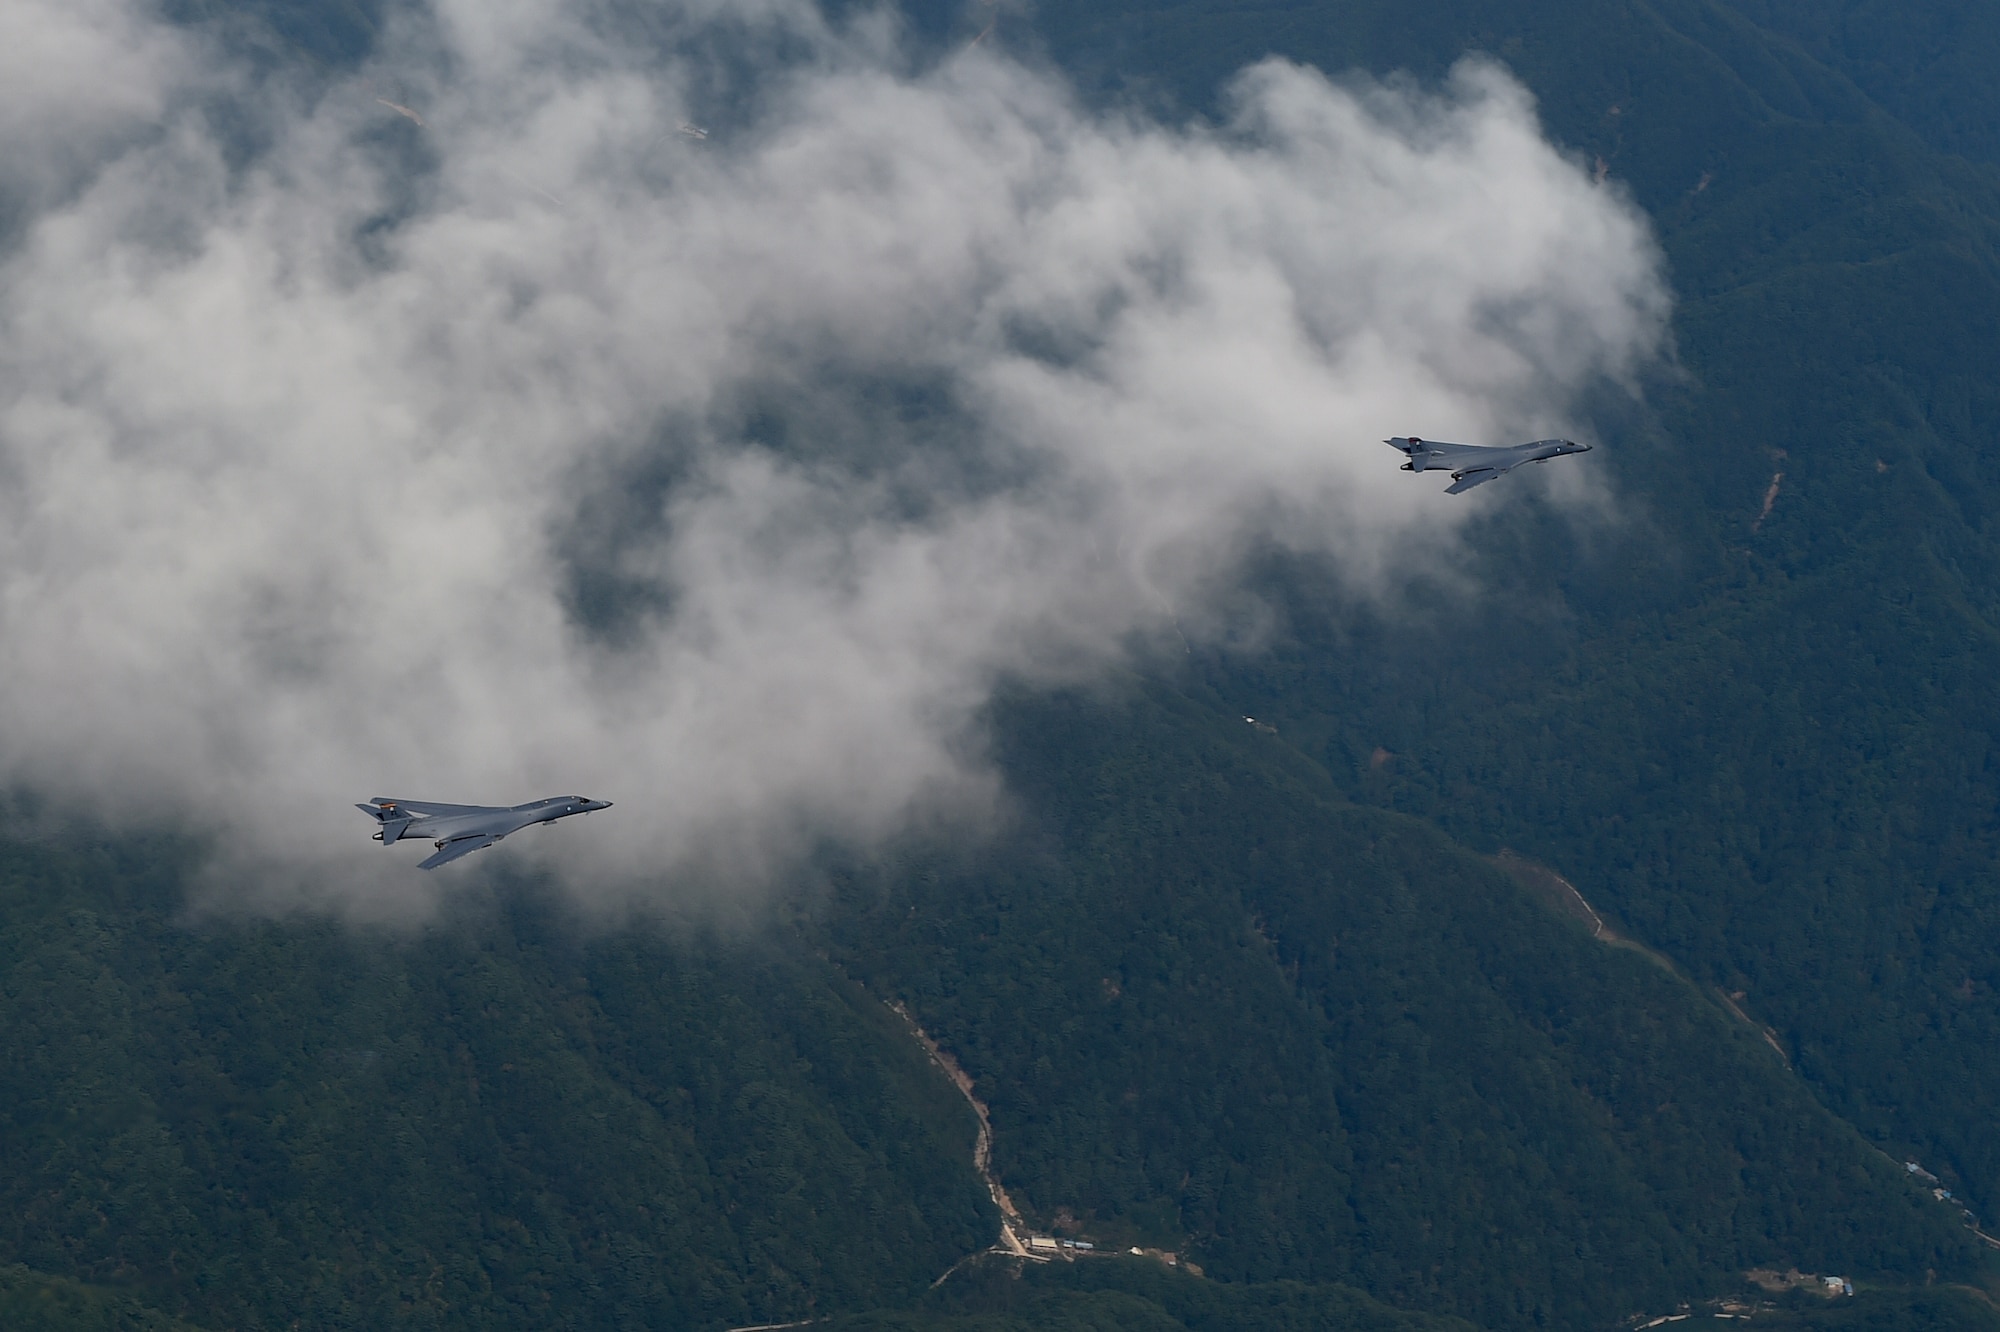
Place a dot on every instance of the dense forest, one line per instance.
(507, 1122)
(1215, 1008)
(1259, 997)
(1136, 1296)
(1766, 742)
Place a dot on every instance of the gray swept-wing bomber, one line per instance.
(1475, 464)
(459, 830)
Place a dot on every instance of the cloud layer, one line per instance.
(548, 447)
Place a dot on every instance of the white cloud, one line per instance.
(78, 78)
(901, 383)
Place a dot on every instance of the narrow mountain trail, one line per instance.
(1557, 891)
(1562, 895)
(1011, 1225)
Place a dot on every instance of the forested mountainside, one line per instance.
(1253, 995)
(1754, 716)
(34, 1302)
(1216, 1009)
(1930, 66)
(1124, 1305)
(505, 1122)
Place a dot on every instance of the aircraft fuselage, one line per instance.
(1474, 464)
(459, 829)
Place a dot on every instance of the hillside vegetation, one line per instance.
(1215, 1008)
(506, 1122)
(1255, 997)
(1766, 742)
(1138, 1296)
(34, 1302)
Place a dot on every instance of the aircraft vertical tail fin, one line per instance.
(392, 819)
(1412, 448)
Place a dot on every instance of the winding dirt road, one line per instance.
(1011, 1224)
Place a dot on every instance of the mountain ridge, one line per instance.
(1254, 995)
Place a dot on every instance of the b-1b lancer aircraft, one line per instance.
(1475, 464)
(459, 830)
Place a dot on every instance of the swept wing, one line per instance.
(1463, 481)
(1475, 464)
(1440, 449)
(433, 808)
(459, 830)
(452, 850)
